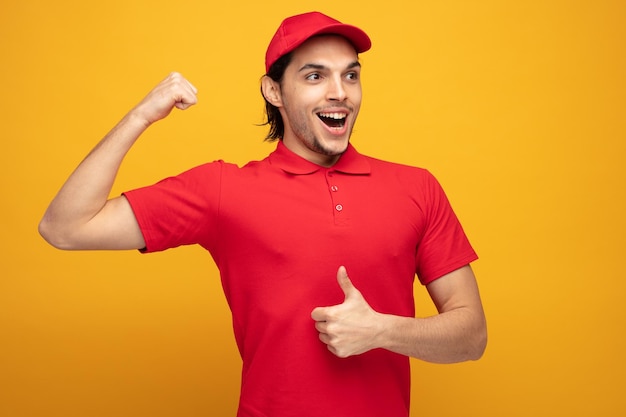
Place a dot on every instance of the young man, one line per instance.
(285, 232)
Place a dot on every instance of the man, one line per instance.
(286, 230)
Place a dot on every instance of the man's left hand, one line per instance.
(349, 328)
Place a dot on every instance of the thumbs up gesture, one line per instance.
(349, 328)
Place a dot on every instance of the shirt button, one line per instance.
(338, 207)
(334, 188)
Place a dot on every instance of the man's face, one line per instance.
(321, 96)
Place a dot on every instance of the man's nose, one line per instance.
(336, 90)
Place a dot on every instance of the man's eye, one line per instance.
(313, 76)
(352, 76)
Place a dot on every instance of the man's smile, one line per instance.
(334, 120)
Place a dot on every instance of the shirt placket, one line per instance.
(336, 198)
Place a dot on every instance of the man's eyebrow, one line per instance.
(320, 67)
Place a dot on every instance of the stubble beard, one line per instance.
(312, 141)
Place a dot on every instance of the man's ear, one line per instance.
(271, 91)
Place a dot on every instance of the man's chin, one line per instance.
(334, 147)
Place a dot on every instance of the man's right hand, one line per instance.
(173, 91)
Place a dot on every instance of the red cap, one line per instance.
(294, 30)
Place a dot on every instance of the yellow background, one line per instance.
(518, 107)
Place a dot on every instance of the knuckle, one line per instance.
(331, 328)
(340, 353)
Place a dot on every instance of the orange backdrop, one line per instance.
(518, 108)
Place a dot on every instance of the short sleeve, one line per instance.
(444, 246)
(179, 210)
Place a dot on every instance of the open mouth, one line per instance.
(333, 120)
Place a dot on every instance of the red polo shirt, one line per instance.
(278, 229)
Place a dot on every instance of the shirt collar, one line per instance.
(350, 162)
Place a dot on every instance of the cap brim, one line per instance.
(356, 36)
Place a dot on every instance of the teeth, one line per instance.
(336, 116)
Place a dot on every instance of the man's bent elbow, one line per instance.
(479, 344)
(53, 235)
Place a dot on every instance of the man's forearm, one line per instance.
(454, 336)
(87, 189)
